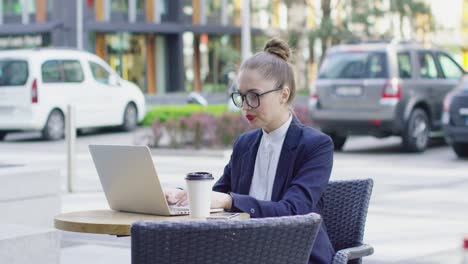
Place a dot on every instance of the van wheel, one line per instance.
(55, 126)
(461, 149)
(130, 118)
(3, 135)
(416, 134)
(338, 141)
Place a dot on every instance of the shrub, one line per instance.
(203, 126)
(171, 112)
(230, 126)
(199, 126)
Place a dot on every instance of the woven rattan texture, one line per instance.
(345, 211)
(269, 240)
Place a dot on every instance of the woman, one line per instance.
(283, 167)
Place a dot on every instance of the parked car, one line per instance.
(455, 118)
(383, 89)
(37, 85)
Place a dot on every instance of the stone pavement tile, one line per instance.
(400, 238)
(96, 254)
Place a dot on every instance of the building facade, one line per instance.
(162, 45)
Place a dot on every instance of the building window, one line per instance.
(141, 5)
(213, 7)
(162, 6)
(218, 62)
(126, 54)
(14, 7)
(119, 5)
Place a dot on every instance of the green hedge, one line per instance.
(169, 112)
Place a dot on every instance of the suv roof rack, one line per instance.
(382, 41)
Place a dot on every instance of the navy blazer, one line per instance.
(302, 175)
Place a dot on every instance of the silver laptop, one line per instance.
(130, 182)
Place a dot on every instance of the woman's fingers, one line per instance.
(182, 199)
(171, 195)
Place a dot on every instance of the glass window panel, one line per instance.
(140, 5)
(404, 65)
(354, 65)
(51, 72)
(427, 66)
(32, 6)
(213, 7)
(13, 72)
(119, 5)
(73, 71)
(449, 67)
(100, 74)
(12, 7)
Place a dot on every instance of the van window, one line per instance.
(56, 71)
(404, 65)
(51, 72)
(100, 74)
(73, 71)
(427, 66)
(354, 65)
(13, 72)
(450, 68)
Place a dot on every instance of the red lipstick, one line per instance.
(250, 117)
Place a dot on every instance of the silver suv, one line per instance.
(383, 89)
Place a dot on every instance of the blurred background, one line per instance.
(162, 70)
(201, 39)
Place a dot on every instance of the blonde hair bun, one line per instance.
(278, 47)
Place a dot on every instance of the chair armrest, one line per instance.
(342, 256)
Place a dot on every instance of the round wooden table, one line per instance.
(114, 222)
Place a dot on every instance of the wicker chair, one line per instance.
(282, 240)
(344, 214)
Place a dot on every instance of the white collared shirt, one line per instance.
(266, 162)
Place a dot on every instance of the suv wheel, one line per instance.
(461, 149)
(130, 118)
(55, 126)
(2, 135)
(416, 134)
(338, 141)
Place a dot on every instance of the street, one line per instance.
(418, 210)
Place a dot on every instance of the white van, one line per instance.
(37, 85)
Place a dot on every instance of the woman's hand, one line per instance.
(175, 196)
(179, 197)
(221, 200)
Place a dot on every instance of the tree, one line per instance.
(298, 38)
(409, 9)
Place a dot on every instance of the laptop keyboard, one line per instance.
(179, 208)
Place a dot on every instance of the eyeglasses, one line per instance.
(251, 98)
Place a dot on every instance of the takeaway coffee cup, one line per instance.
(199, 193)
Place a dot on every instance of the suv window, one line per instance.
(427, 66)
(13, 72)
(354, 65)
(404, 65)
(57, 71)
(450, 68)
(100, 74)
